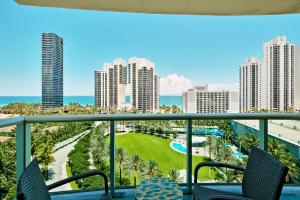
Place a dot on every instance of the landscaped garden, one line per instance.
(151, 147)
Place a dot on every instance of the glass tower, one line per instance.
(52, 70)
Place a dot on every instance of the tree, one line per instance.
(152, 170)
(217, 146)
(210, 141)
(279, 151)
(173, 175)
(134, 166)
(225, 155)
(44, 156)
(248, 140)
(227, 176)
(121, 158)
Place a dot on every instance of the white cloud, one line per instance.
(174, 84)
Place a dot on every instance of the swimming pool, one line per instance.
(208, 131)
(239, 154)
(179, 147)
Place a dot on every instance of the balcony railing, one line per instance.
(23, 132)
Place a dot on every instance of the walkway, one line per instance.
(58, 167)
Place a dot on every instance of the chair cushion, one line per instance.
(204, 193)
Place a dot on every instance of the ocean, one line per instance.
(82, 100)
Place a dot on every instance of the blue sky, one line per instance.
(199, 49)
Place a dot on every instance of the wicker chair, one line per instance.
(264, 177)
(31, 185)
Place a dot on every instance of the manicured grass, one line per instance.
(73, 183)
(158, 149)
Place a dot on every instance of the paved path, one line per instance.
(58, 167)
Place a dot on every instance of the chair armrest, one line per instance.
(79, 176)
(214, 164)
(227, 197)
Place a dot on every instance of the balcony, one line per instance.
(23, 147)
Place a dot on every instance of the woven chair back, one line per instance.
(264, 176)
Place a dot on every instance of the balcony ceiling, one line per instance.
(187, 7)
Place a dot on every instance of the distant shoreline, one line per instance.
(82, 100)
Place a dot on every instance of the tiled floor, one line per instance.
(289, 193)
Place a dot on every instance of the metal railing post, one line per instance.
(189, 155)
(112, 158)
(23, 148)
(263, 134)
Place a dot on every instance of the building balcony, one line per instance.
(24, 141)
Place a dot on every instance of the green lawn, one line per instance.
(158, 149)
(73, 183)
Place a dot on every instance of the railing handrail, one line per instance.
(23, 131)
(128, 117)
(11, 121)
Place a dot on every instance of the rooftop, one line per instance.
(288, 134)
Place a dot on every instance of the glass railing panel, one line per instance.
(284, 144)
(144, 149)
(64, 150)
(215, 140)
(7, 162)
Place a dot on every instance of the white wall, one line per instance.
(297, 77)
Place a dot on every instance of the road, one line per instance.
(58, 167)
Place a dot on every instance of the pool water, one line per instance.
(209, 131)
(179, 147)
(238, 154)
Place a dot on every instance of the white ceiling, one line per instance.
(188, 7)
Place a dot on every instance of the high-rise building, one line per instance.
(201, 100)
(144, 84)
(279, 67)
(250, 86)
(52, 70)
(271, 85)
(102, 86)
(297, 78)
(110, 85)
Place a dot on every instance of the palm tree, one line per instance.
(225, 155)
(134, 166)
(209, 142)
(121, 158)
(44, 155)
(173, 175)
(152, 170)
(217, 145)
(279, 151)
(276, 148)
(248, 140)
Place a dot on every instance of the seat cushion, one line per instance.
(204, 193)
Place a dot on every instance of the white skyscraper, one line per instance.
(110, 84)
(251, 96)
(297, 77)
(279, 68)
(201, 100)
(144, 84)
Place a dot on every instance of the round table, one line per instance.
(158, 188)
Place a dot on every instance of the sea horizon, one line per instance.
(84, 100)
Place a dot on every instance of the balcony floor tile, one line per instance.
(289, 193)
